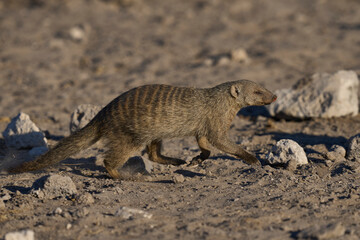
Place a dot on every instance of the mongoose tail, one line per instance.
(68, 146)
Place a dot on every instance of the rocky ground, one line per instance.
(55, 55)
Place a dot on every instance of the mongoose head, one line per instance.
(248, 93)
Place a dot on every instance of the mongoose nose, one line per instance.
(274, 98)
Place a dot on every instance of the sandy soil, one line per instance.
(55, 55)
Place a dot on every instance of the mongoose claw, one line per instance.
(178, 162)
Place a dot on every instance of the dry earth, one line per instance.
(55, 55)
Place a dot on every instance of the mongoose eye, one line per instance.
(258, 92)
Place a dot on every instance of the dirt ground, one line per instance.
(55, 55)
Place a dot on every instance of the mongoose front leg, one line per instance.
(225, 145)
(205, 151)
(154, 149)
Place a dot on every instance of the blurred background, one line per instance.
(55, 55)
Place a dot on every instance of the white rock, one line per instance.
(82, 116)
(127, 213)
(20, 235)
(23, 133)
(286, 151)
(322, 95)
(353, 148)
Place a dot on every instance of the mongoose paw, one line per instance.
(177, 162)
(195, 161)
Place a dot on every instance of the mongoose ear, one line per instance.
(234, 91)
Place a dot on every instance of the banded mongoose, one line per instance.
(145, 115)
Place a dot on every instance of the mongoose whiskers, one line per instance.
(145, 115)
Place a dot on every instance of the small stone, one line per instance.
(338, 149)
(85, 198)
(68, 226)
(58, 211)
(118, 190)
(82, 212)
(82, 115)
(330, 231)
(285, 152)
(23, 133)
(178, 178)
(334, 156)
(129, 213)
(54, 186)
(66, 215)
(79, 32)
(240, 55)
(20, 235)
(353, 148)
(208, 62)
(223, 61)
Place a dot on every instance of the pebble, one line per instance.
(129, 213)
(178, 178)
(85, 198)
(240, 55)
(58, 211)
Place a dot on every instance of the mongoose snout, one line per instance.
(143, 116)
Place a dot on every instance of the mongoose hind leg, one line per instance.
(205, 151)
(154, 149)
(225, 145)
(116, 156)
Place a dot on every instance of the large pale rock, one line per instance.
(321, 95)
(287, 151)
(23, 133)
(82, 116)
